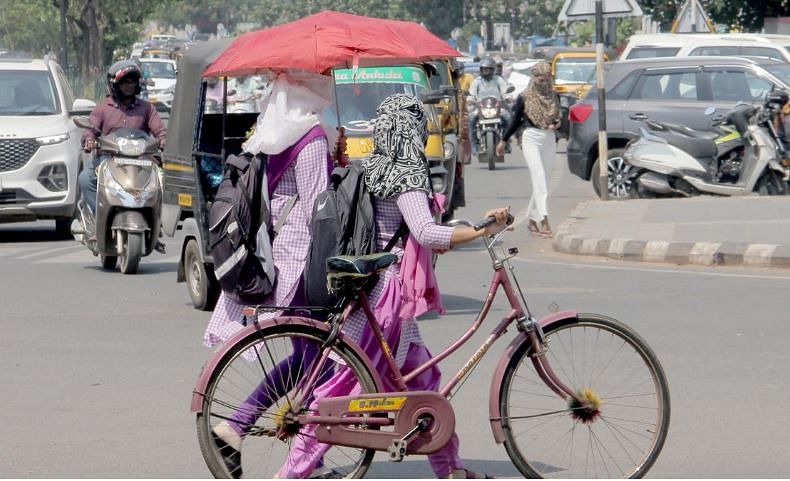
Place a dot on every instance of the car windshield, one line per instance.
(159, 70)
(27, 93)
(779, 70)
(574, 70)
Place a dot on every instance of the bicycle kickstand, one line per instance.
(398, 448)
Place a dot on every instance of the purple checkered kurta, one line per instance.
(413, 207)
(307, 176)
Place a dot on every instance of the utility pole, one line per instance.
(64, 48)
(603, 153)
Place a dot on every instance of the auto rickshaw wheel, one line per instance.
(203, 287)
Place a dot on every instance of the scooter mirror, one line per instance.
(84, 122)
(710, 111)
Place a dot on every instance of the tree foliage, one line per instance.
(737, 15)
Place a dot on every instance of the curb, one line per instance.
(680, 253)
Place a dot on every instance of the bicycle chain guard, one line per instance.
(405, 409)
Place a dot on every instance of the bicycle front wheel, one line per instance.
(620, 430)
(255, 388)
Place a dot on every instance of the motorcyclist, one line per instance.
(122, 108)
(488, 84)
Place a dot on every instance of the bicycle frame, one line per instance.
(530, 330)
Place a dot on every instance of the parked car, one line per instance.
(39, 143)
(676, 90)
(707, 44)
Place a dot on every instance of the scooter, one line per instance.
(670, 160)
(128, 201)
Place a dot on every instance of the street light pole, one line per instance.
(64, 48)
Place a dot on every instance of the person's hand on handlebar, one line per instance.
(501, 215)
(90, 144)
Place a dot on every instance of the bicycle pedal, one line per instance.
(397, 450)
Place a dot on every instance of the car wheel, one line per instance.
(620, 180)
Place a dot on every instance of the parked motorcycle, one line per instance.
(128, 201)
(670, 160)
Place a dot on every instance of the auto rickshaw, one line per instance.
(573, 73)
(359, 95)
(191, 163)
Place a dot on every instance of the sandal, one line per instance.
(467, 474)
(533, 227)
(545, 230)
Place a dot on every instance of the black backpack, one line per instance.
(234, 219)
(343, 223)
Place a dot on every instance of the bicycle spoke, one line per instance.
(619, 405)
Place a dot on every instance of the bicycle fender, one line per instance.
(208, 368)
(495, 417)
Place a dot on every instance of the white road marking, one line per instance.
(651, 269)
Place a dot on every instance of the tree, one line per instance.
(28, 27)
(741, 15)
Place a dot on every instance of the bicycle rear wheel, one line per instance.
(623, 428)
(254, 387)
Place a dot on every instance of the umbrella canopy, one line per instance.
(330, 39)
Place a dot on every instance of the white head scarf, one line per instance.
(294, 104)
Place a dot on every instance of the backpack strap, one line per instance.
(401, 233)
(284, 215)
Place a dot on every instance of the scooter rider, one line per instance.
(122, 108)
(488, 84)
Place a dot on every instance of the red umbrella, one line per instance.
(326, 40)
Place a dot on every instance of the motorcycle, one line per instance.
(128, 200)
(489, 131)
(669, 160)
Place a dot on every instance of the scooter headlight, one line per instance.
(153, 182)
(488, 112)
(131, 147)
(110, 184)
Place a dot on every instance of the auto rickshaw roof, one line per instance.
(183, 114)
(549, 53)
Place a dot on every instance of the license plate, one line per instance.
(137, 162)
(185, 200)
(489, 121)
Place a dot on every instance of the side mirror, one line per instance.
(510, 89)
(710, 111)
(433, 97)
(85, 123)
(82, 107)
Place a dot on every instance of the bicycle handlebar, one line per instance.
(490, 220)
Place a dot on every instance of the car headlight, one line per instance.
(52, 139)
(131, 147)
(449, 150)
(488, 112)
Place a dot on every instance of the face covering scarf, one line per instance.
(398, 163)
(541, 104)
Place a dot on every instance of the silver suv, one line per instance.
(39, 143)
(676, 90)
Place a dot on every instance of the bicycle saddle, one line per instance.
(359, 266)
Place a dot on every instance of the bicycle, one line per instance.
(562, 399)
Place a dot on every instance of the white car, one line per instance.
(707, 44)
(163, 74)
(39, 143)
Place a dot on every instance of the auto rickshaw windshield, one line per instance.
(357, 98)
